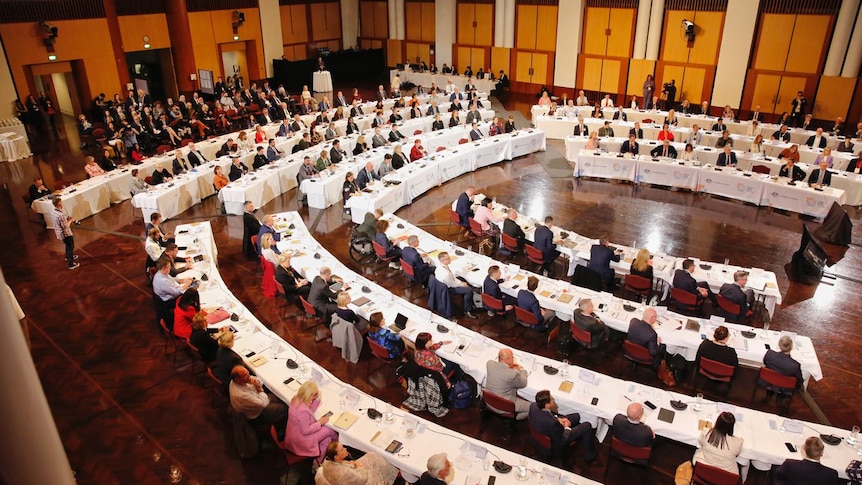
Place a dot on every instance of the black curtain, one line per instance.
(352, 66)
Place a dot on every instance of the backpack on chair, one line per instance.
(463, 393)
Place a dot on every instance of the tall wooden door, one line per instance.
(773, 93)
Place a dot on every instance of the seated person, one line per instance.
(512, 229)
(371, 469)
(304, 434)
(809, 470)
(457, 286)
(601, 255)
(321, 297)
(38, 189)
(528, 301)
(642, 265)
(247, 397)
(790, 170)
(485, 217)
(504, 377)
(425, 356)
(717, 446)
(543, 240)
(820, 176)
(390, 246)
(491, 286)
(586, 319)
(717, 349)
(562, 430)
(641, 332)
(346, 314)
(683, 280)
(737, 293)
(463, 207)
(294, 284)
(422, 269)
(631, 430)
(382, 336)
(726, 158)
(226, 358)
(188, 305)
(784, 364)
(791, 152)
(665, 150)
(205, 339)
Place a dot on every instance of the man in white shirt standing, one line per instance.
(248, 398)
(64, 232)
(444, 275)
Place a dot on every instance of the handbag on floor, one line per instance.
(665, 375)
(683, 473)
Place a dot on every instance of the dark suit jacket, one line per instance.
(600, 261)
(592, 324)
(250, 227)
(363, 177)
(546, 423)
(511, 228)
(179, 166)
(420, 268)
(827, 177)
(528, 301)
(804, 472)
(629, 147)
(723, 161)
(437, 125)
(735, 294)
(395, 135)
(475, 135)
(644, 335)
(544, 241)
(635, 434)
(259, 161)
(236, 172)
(226, 359)
(197, 158)
(492, 288)
(462, 208)
(427, 479)
(778, 136)
(783, 364)
(639, 133)
(336, 155)
(160, 177)
(659, 151)
(797, 175)
(683, 280)
(757, 116)
(320, 296)
(579, 131)
(266, 229)
(810, 141)
(716, 352)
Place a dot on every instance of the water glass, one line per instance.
(765, 334)
(564, 372)
(698, 403)
(726, 261)
(522, 467)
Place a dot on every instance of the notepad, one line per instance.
(258, 361)
(565, 298)
(345, 421)
(566, 386)
(702, 423)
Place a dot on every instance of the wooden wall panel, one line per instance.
(622, 26)
(133, 28)
(674, 44)
(466, 15)
(415, 50)
(297, 52)
(294, 24)
(673, 71)
(773, 41)
(525, 35)
(540, 69)
(808, 42)
(500, 59)
(638, 70)
(546, 28)
(693, 85)
(371, 44)
(87, 40)
(429, 22)
(610, 76)
(325, 20)
(707, 37)
(394, 52)
(592, 73)
(833, 97)
(373, 19)
(485, 24)
(764, 91)
(595, 23)
(523, 63)
(419, 20)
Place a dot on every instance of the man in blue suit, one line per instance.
(809, 470)
(268, 222)
(528, 301)
(738, 294)
(421, 268)
(491, 286)
(463, 208)
(562, 430)
(545, 242)
(366, 175)
(683, 280)
(641, 332)
(784, 364)
(601, 255)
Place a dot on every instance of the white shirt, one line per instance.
(607, 103)
(445, 276)
(153, 249)
(246, 400)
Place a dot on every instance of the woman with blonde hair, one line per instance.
(593, 141)
(244, 141)
(361, 145)
(756, 145)
(267, 242)
(642, 265)
(305, 435)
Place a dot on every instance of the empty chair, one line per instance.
(639, 286)
(760, 169)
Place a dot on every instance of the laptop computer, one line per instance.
(400, 323)
(335, 287)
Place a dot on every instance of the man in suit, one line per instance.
(586, 319)
(581, 129)
(268, 222)
(784, 364)
(366, 175)
(411, 255)
(606, 130)
(737, 293)
(395, 135)
(601, 255)
(630, 430)
(726, 158)
(790, 170)
(637, 131)
(563, 430)
(378, 140)
(756, 115)
(273, 153)
(696, 136)
(381, 93)
(440, 470)
(321, 297)
(445, 275)
(340, 100)
(641, 332)
(463, 207)
(473, 116)
(619, 114)
(683, 280)
(809, 470)
(782, 134)
(433, 109)
(491, 286)
(837, 127)
(455, 95)
(798, 108)
(330, 132)
(237, 169)
(725, 140)
(685, 108)
(630, 146)
(544, 241)
(284, 128)
(195, 157)
(704, 108)
(475, 134)
(297, 125)
(179, 165)
(259, 159)
(250, 227)
(607, 102)
(817, 140)
(336, 154)
(528, 301)
(719, 125)
(504, 378)
(821, 176)
(512, 229)
(664, 150)
(356, 109)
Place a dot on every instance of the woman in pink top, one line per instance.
(92, 168)
(484, 216)
(305, 435)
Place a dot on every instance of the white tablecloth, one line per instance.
(13, 146)
(425, 79)
(322, 82)
(179, 195)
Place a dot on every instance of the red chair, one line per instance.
(463, 141)
(541, 444)
(762, 169)
(475, 228)
(536, 257)
(528, 320)
(172, 339)
(509, 244)
(638, 285)
(494, 405)
(292, 460)
(408, 272)
(454, 219)
(162, 149)
(218, 388)
(148, 179)
(704, 474)
(775, 380)
(382, 354)
(684, 301)
(627, 453)
(99, 135)
(637, 354)
(417, 132)
(186, 142)
(714, 371)
(440, 149)
(381, 253)
(311, 312)
(731, 309)
(581, 336)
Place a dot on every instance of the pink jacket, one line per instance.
(304, 436)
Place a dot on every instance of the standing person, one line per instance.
(798, 108)
(64, 232)
(648, 90)
(251, 226)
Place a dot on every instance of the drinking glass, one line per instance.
(564, 372)
(765, 334)
(698, 404)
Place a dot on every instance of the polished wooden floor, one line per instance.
(125, 415)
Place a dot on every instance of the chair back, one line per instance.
(629, 453)
(704, 474)
(379, 251)
(308, 307)
(509, 242)
(254, 241)
(760, 169)
(684, 298)
(534, 255)
(542, 440)
(580, 335)
(454, 218)
(462, 141)
(417, 132)
(775, 379)
(636, 353)
(408, 270)
(219, 383)
(553, 334)
(587, 278)
(475, 227)
(440, 149)
(727, 305)
(186, 142)
(279, 288)
(505, 407)
(149, 180)
(492, 304)
(26, 198)
(716, 370)
(378, 350)
(638, 284)
(525, 317)
(162, 149)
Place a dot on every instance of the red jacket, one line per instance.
(183, 320)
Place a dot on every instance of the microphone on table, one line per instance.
(676, 403)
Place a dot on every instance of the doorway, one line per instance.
(152, 70)
(58, 82)
(240, 58)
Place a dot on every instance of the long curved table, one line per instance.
(471, 457)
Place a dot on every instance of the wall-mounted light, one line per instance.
(52, 57)
(146, 42)
(235, 37)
